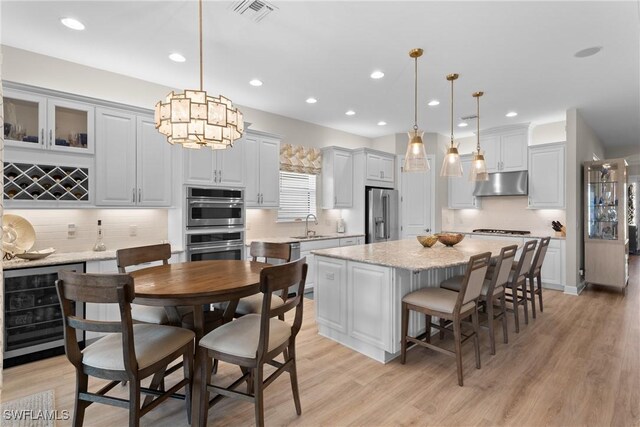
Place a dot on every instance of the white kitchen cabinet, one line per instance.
(224, 168)
(416, 201)
(369, 299)
(553, 266)
(461, 189)
(133, 161)
(331, 293)
(44, 122)
(337, 178)
(380, 167)
(505, 148)
(547, 176)
(262, 165)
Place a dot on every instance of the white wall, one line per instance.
(582, 145)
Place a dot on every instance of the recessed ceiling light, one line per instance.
(590, 51)
(511, 114)
(176, 57)
(74, 24)
(381, 123)
(463, 125)
(311, 100)
(433, 103)
(377, 74)
(350, 113)
(255, 82)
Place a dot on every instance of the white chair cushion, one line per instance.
(253, 304)
(155, 315)
(455, 283)
(240, 337)
(438, 299)
(151, 342)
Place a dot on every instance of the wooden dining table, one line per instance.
(197, 284)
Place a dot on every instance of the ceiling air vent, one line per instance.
(253, 9)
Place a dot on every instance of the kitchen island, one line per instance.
(359, 289)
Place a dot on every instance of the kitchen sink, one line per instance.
(317, 236)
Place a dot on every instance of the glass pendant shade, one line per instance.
(451, 165)
(478, 170)
(415, 159)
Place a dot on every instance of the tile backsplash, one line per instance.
(263, 223)
(503, 212)
(51, 226)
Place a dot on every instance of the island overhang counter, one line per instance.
(359, 289)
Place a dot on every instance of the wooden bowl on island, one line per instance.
(428, 240)
(450, 239)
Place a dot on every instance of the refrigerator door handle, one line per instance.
(385, 214)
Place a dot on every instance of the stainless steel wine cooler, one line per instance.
(32, 314)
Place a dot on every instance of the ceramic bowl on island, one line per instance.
(450, 239)
(427, 240)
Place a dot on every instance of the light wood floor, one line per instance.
(578, 363)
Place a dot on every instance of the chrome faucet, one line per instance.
(306, 224)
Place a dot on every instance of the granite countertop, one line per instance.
(535, 234)
(64, 258)
(298, 240)
(409, 254)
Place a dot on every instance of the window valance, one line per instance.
(300, 159)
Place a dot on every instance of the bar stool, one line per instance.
(449, 305)
(492, 290)
(535, 274)
(516, 291)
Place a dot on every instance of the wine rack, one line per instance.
(25, 181)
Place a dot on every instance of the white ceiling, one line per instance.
(519, 53)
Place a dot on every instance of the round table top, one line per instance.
(199, 282)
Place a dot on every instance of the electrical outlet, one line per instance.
(71, 231)
(133, 230)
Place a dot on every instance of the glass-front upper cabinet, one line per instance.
(34, 121)
(605, 200)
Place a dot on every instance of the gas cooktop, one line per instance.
(496, 231)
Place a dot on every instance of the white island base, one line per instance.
(359, 289)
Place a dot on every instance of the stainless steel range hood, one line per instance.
(503, 184)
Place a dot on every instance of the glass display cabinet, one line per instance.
(605, 225)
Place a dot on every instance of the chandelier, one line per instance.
(195, 119)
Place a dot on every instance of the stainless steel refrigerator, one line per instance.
(381, 222)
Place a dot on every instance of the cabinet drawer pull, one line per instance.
(133, 195)
(139, 195)
(50, 136)
(42, 140)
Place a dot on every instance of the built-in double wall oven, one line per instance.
(215, 223)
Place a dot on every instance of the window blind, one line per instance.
(297, 196)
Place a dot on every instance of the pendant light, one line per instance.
(195, 119)
(415, 159)
(478, 166)
(451, 165)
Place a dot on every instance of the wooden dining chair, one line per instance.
(255, 340)
(264, 251)
(492, 290)
(130, 257)
(516, 290)
(535, 274)
(449, 305)
(130, 352)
